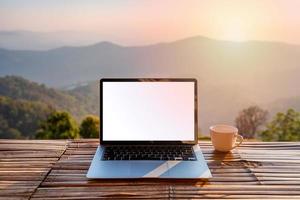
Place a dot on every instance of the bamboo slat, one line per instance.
(56, 170)
(24, 164)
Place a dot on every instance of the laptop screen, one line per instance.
(148, 111)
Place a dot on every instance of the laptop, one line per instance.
(148, 129)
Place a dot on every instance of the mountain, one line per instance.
(29, 40)
(87, 97)
(21, 118)
(73, 101)
(25, 104)
(260, 67)
(231, 75)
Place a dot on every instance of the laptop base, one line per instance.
(158, 169)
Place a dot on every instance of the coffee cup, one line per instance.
(224, 137)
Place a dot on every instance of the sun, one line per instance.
(229, 22)
(234, 31)
(234, 34)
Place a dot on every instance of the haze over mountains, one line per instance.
(231, 75)
(30, 40)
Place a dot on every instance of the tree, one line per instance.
(284, 127)
(21, 118)
(7, 132)
(59, 125)
(249, 120)
(89, 127)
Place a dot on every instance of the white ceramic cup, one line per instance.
(224, 137)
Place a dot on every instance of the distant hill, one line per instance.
(29, 40)
(18, 88)
(21, 118)
(24, 104)
(231, 75)
(260, 68)
(87, 97)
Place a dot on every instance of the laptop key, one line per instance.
(154, 152)
(178, 158)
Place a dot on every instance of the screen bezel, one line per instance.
(149, 80)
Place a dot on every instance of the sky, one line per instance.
(132, 22)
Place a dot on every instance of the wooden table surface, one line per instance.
(55, 169)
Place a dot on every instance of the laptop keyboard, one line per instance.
(149, 152)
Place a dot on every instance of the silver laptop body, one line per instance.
(148, 129)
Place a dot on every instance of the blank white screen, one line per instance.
(148, 111)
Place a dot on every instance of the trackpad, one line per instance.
(148, 169)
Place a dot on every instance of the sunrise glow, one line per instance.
(145, 22)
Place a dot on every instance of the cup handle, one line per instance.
(240, 138)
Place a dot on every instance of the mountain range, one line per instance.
(31, 40)
(231, 75)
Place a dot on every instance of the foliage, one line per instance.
(25, 104)
(7, 132)
(21, 118)
(249, 120)
(89, 127)
(59, 125)
(88, 96)
(74, 102)
(284, 127)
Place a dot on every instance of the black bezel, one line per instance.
(149, 80)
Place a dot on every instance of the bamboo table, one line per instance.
(55, 169)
